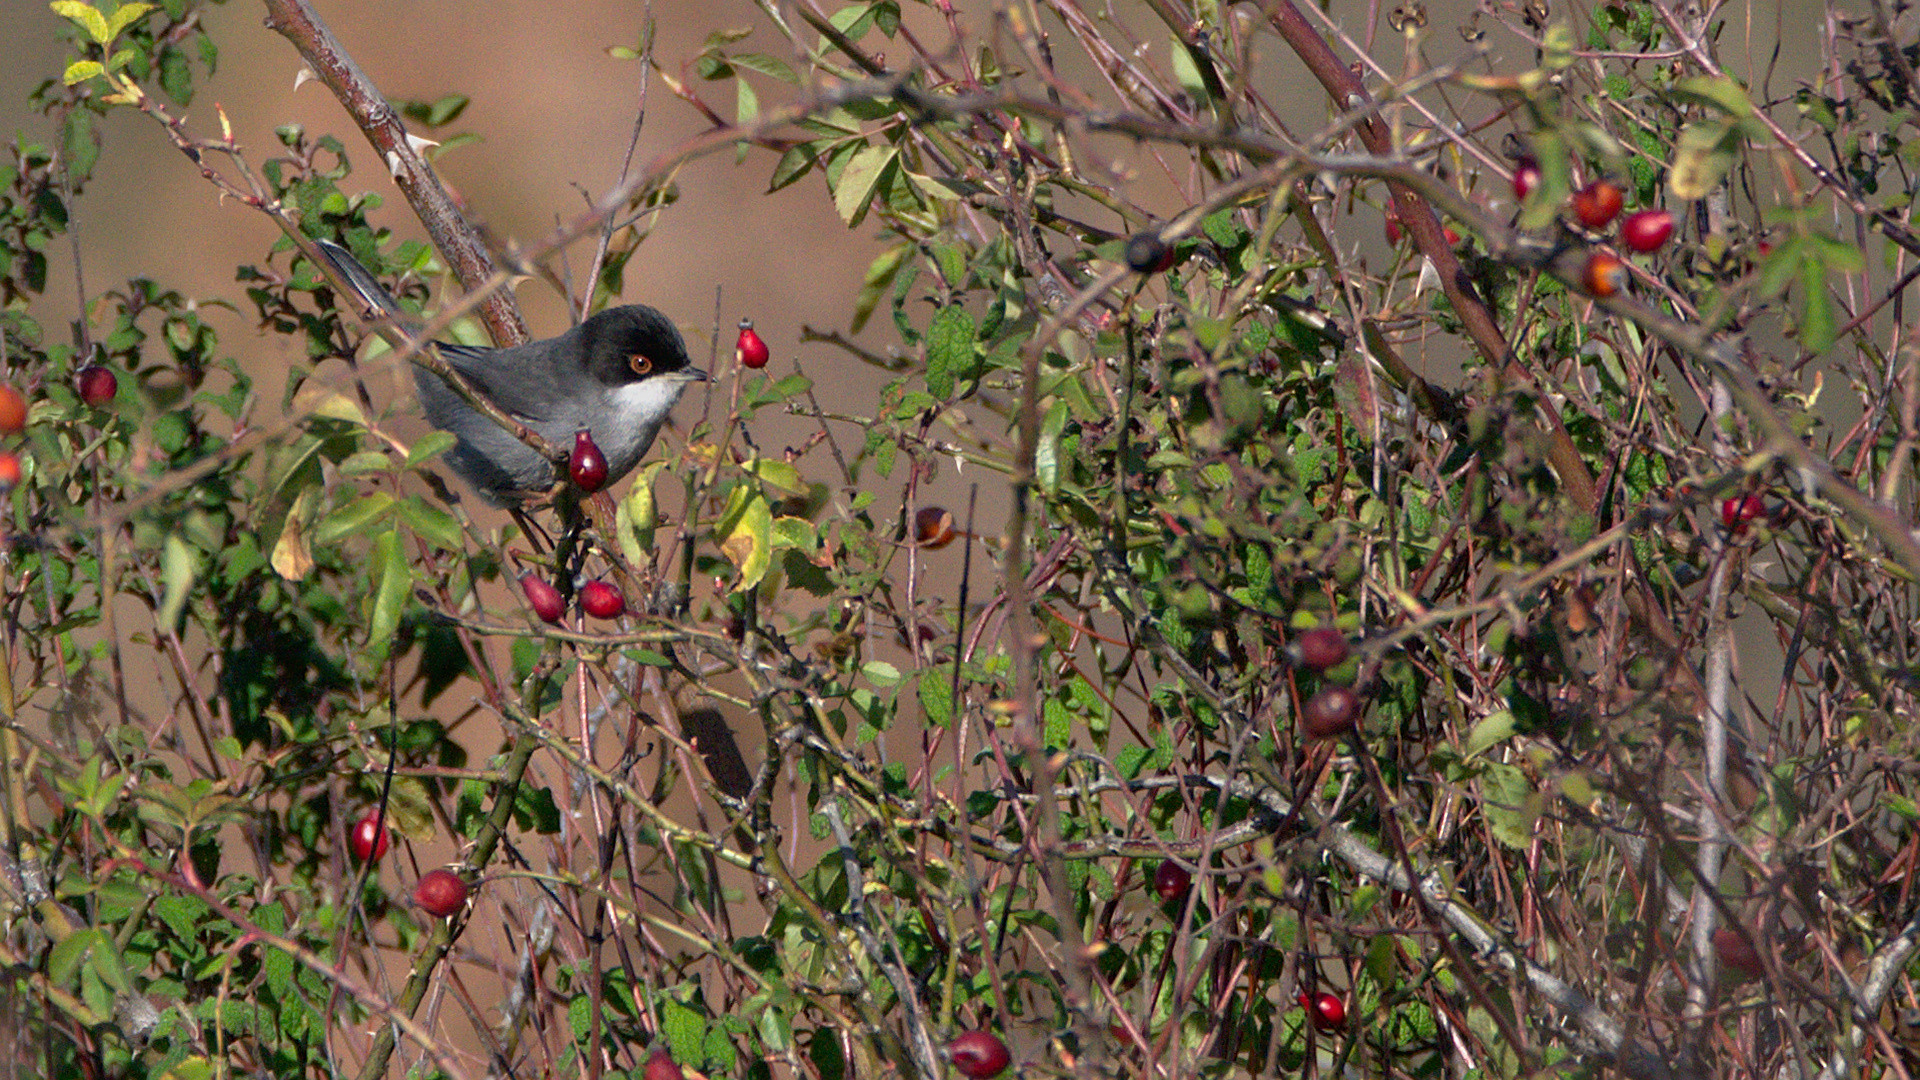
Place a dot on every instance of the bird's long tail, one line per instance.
(378, 301)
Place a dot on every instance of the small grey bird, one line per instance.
(616, 376)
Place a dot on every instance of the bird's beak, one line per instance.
(692, 374)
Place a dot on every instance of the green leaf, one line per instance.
(637, 517)
(1838, 256)
(777, 474)
(1046, 456)
(87, 16)
(82, 70)
(83, 145)
(432, 524)
(354, 519)
(1718, 92)
(429, 446)
(880, 274)
(935, 691)
(125, 17)
(1187, 73)
(685, 1029)
(1510, 805)
(63, 964)
(1817, 326)
(1494, 729)
(858, 180)
(771, 66)
(395, 581)
(949, 350)
(797, 162)
(793, 532)
(178, 568)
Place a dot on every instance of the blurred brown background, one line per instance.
(554, 111)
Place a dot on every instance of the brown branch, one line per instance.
(452, 235)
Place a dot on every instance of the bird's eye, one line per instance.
(640, 364)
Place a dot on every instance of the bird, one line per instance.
(616, 375)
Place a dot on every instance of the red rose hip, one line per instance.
(542, 597)
(602, 601)
(661, 1066)
(368, 838)
(750, 349)
(13, 411)
(1330, 712)
(1604, 274)
(1646, 230)
(1737, 953)
(1597, 204)
(1737, 511)
(440, 893)
(1321, 648)
(96, 385)
(1171, 881)
(1326, 1011)
(1526, 177)
(979, 1055)
(587, 465)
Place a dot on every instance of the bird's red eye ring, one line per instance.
(640, 364)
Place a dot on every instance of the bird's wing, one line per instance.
(510, 378)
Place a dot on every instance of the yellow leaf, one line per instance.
(291, 558)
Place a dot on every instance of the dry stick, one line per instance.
(1711, 855)
(452, 235)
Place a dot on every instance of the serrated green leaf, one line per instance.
(797, 162)
(935, 691)
(793, 532)
(685, 1030)
(949, 350)
(81, 71)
